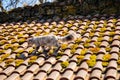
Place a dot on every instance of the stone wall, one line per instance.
(61, 9)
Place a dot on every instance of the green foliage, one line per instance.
(106, 57)
(83, 51)
(64, 46)
(32, 59)
(64, 64)
(92, 60)
(80, 58)
(18, 62)
(104, 63)
(4, 56)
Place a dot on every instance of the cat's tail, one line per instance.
(70, 37)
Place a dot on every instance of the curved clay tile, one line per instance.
(89, 30)
(99, 57)
(25, 44)
(76, 24)
(46, 67)
(92, 45)
(95, 75)
(118, 23)
(102, 51)
(53, 76)
(2, 64)
(84, 39)
(114, 50)
(67, 75)
(28, 76)
(101, 21)
(110, 24)
(3, 76)
(94, 38)
(8, 51)
(74, 58)
(67, 52)
(111, 74)
(72, 65)
(116, 43)
(34, 68)
(1, 68)
(112, 63)
(40, 60)
(104, 44)
(98, 29)
(40, 76)
(52, 60)
(81, 27)
(13, 55)
(106, 38)
(87, 56)
(57, 66)
(26, 62)
(63, 58)
(114, 56)
(86, 35)
(116, 37)
(80, 46)
(96, 34)
(96, 71)
(38, 25)
(21, 69)
(14, 76)
(83, 68)
(117, 33)
(9, 70)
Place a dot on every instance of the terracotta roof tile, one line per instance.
(41, 75)
(3, 76)
(1, 68)
(63, 58)
(21, 69)
(2, 64)
(83, 63)
(34, 68)
(82, 69)
(57, 66)
(53, 75)
(67, 75)
(40, 60)
(14, 76)
(104, 44)
(28, 76)
(8, 70)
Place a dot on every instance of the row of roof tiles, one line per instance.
(51, 69)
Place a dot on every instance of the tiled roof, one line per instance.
(93, 56)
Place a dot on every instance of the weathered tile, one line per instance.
(3, 76)
(14, 76)
(21, 69)
(96, 71)
(40, 60)
(82, 69)
(27, 76)
(9, 70)
(40, 76)
(51, 68)
(33, 68)
(54, 75)
(67, 75)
